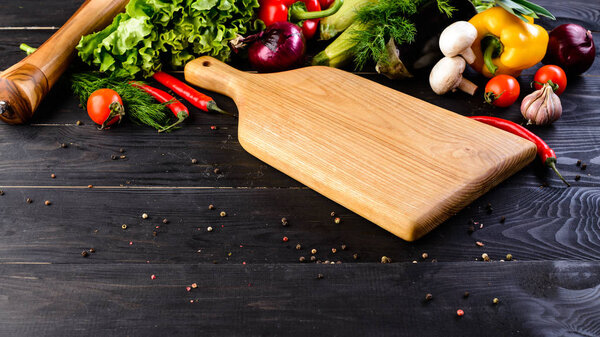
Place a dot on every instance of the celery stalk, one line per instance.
(334, 24)
(341, 51)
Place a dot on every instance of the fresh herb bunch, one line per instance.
(520, 8)
(140, 107)
(385, 20)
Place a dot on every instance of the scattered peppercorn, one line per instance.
(209, 229)
(47, 203)
(326, 262)
(298, 247)
(285, 239)
(63, 145)
(211, 206)
(217, 171)
(222, 214)
(333, 250)
(355, 256)
(471, 229)
(122, 150)
(53, 176)
(302, 259)
(313, 251)
(428, 297)
(1, 192)
(194, 161)
(577, 177)
(84, 253)
(344, 247)
(337, 220)
(583, 167)
(489, 209)
(578, 163)
(485, 257)
(332, 214)
(502, 219)
(319, 276)
(154, 233)
(460, 312)
(495, 300)
(424, 256)
(124, 226)
(385, 259)
(29, 201)
(433, 260)
(466, 294)
(509, 257)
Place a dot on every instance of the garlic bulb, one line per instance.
(541, 107)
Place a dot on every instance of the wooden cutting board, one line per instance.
(398, 161)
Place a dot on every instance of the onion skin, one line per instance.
(571, 47)
(279, 47)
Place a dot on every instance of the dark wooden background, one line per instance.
(249, 281)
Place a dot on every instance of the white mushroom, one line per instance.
(457, 39)
(446, 75)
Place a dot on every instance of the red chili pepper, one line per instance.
(305, 13)
(179, 110)
(546, 154)
(198, 99)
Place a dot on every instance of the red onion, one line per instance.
(279, 47)
(571, 47)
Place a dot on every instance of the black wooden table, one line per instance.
(249, 281)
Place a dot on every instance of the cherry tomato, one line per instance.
(502, 91)
(105, 107)
(551, 73)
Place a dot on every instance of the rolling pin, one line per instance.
(24, 85)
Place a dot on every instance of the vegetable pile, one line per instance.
(153, 32)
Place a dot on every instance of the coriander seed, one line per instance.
(302, 259)
(194, 161)
(313, 251)
(332, 214)
(355, 256)
(222, 214)
(123, 226)
(385, 259)
(29, 201)
(485, 257)
(333, 250)
(319, 276)
(344, 247)
(211, 206)
(209, 229)
(165, 221)
(495, 300)
(313, 258)
(47, 203)
(53, 176)
(424, 256)
(298, 247)
(144, 216)
(509, 257)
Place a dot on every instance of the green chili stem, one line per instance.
(27, 49)
(298, 14)
(181, 116)
(551, 162)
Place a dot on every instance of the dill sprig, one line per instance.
(140, 107)
(384, 20)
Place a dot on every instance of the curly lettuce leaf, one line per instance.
(153, 33)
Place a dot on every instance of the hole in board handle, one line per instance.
(206, 63)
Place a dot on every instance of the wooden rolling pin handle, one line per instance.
(214, 75)
(24, 85)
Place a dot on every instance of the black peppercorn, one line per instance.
(63, 145)
(114, 157)
(583, 166)
(84, 253)
(577, 177)
(122, 150)
(502, 219)
(29, 201)
(92, 250)
(428, 297)
(466, 294)
(217, 171)
(578, 163)
(319, 276)
(302, 259)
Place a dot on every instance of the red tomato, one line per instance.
(502, 91)
(105, 107)
(551, 73)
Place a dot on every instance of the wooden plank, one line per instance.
(535, 299)
(582, 12)
(540, 224)
(39, 13)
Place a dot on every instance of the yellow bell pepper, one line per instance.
(506, 44)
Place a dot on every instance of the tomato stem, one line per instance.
(116, 109)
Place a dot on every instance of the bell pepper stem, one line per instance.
(298, 13)
(551, 162)
(493, 49)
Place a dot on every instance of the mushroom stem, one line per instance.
(468, 55)
(467, 86)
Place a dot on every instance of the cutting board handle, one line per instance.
(214, 75)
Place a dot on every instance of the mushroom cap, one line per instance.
(457, 37)
(446, 74)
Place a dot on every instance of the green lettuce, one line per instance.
(153, 33)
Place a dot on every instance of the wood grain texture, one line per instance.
(400, 162)
(540, 224)
(536, 299)
(29, 80)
